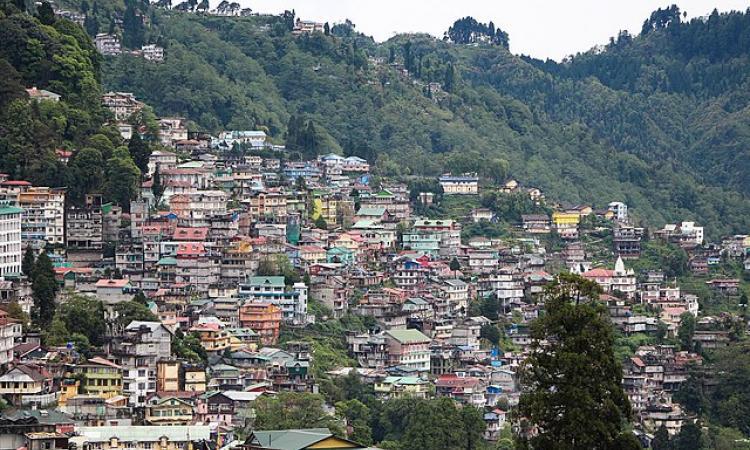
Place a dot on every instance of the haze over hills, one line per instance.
(659, 120)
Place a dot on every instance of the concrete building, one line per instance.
(10, 239)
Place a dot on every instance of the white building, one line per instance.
(293, 303)
(620, 210)
(108, 44)
(43, 217)
(695, 232)
(10, 239)
(152, 52)
(122, 104)
(466, 184)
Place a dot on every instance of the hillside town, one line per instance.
(217, 284)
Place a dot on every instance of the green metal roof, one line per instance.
(294, 439)
(167, 261)
(408, 336)
(4, 210)
(260, 281)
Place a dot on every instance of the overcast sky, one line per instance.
(541, 28)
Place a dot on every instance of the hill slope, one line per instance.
(660, 120)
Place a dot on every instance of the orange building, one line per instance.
(263, 318)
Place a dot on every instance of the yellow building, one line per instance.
(169, 411)
(68, 389)
(100, 377)
(398, 387)
(168, 375)
(566, 223)
(195, 378)
(566, 218)
(213, 336)
(298, 440)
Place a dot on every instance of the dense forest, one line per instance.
(659, 120)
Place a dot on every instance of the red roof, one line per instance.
(191, 249)
(190, 234)
(15, 183)
(456, 382)
(599, 273)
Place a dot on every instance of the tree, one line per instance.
(132, 26)
(133, 310)
(573, 408)
(292, 410)
(85, 316)
(157, 188)
(44, 289)
(449, 79)
(45, 14)
(27, 264)
(140, 152)
(86, 172)
(690, 437)
(321, 223)
(327, 29)
(15, 311)
(686, 331)
(123, 178)
(491, 333)
(454, 265)
(661, 439)
(357, 416)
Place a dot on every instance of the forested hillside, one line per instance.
(659, 120)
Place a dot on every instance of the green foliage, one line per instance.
(686, 331)
(27, 264)
(44, 288)
(139, 152)
(661, 439)
(573, 408)
(491, 333)
(122, 178)
(292, 410)
(132, 310)
(469, 31)
(357, 416)
(728, 399)
(188, 347)
(690, 437)
(435, 424)
(79, 315)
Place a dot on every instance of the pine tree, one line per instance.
(661, 439)
(157, 188)
(140, 152)
(44, 289)
(45, 14)
(574, 408)
(450, 78)
(27, 264)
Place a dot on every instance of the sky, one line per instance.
(540, 28)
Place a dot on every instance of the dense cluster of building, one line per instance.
(233, 249)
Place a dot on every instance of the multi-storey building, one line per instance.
(627, 241)
(108, 44)
(293, 303)
(10, 239)
(264, 318)
(466, 184)
(122, 104)
(101, 377)
(138, 349)
(84, 230)
(43, 218)
(408, 348)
